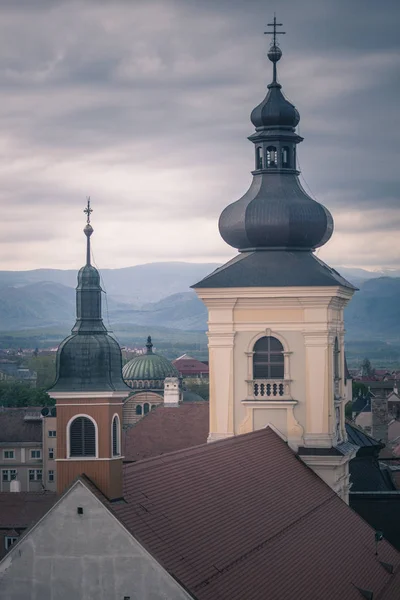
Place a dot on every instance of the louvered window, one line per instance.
(82, 435)
(115, 437)
(268, 359)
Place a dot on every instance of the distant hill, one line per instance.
(142, 283)
(141, 300)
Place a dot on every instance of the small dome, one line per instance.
(275, 111)
(149, 367)
(88, 277)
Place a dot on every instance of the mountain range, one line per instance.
(157, 296)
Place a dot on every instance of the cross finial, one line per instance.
(274, 32)
(88, 211)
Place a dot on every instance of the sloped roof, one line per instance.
(245, 518)
(187, 365)
(14, 427)
(21, 509)
(273, 269)
(358, 437)
(166, 429)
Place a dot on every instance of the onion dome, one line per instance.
(148, 371)
(275, 213)
(89, 359)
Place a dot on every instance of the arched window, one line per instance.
(271, 156)
(116, 436)
(82, 437)
(259, 159)
(146, 408)
(285, 157)
(268, 359)
(153, 406)
(139, 410)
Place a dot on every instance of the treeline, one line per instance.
(15, 394)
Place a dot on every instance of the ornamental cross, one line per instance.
(88, 211)
(274, 32)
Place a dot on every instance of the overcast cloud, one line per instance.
(145, 105)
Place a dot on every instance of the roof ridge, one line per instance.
(195, 449)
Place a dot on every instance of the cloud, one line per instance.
(145, 106)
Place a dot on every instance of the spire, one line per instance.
(88, 229)
(275, 52)
(88, 292)
(149, 345)
(275, 213)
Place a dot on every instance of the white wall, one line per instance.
(83, 557)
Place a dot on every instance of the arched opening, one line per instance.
(139, 409)
(294, 157)
(116, 436)
(146, 408)
(271, 157)
(153, 406)
(285, 157)
(336, 360)
(259, 157)
(268, 359)
(82, 437)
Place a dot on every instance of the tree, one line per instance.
(366, 368)
(16, 394)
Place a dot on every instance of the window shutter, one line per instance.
(115, 437)
(82, 434)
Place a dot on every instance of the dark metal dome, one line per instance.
(89, 363)
(276, 213)
(275, 110)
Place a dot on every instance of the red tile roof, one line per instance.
(190, 366)
(166, 429)
(245, 518)
(15, 429)
(21, 509)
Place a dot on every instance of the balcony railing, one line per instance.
(269, 389)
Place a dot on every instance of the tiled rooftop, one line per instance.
(166, 429)
(245, 518)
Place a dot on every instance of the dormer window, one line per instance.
(271, 157)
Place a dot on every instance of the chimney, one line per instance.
(15, 485)
(171, 391)
(380, 418)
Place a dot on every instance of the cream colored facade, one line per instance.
(307, 405)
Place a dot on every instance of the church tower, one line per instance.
(275, 311)
(89, 392)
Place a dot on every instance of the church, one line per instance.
(261, 510)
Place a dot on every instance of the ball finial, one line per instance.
(274, 53)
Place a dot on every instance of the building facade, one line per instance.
(275, 311)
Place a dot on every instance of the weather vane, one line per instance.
(274, 32)
(88, 211)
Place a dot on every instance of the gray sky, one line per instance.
(145, 106)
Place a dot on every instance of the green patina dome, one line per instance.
(149, 367)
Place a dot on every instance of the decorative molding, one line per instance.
(88, 458)
(82, 404)
(87, 395)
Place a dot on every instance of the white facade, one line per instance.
(87, 555)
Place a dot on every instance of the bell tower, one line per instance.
(275, 311)
(89, 391)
